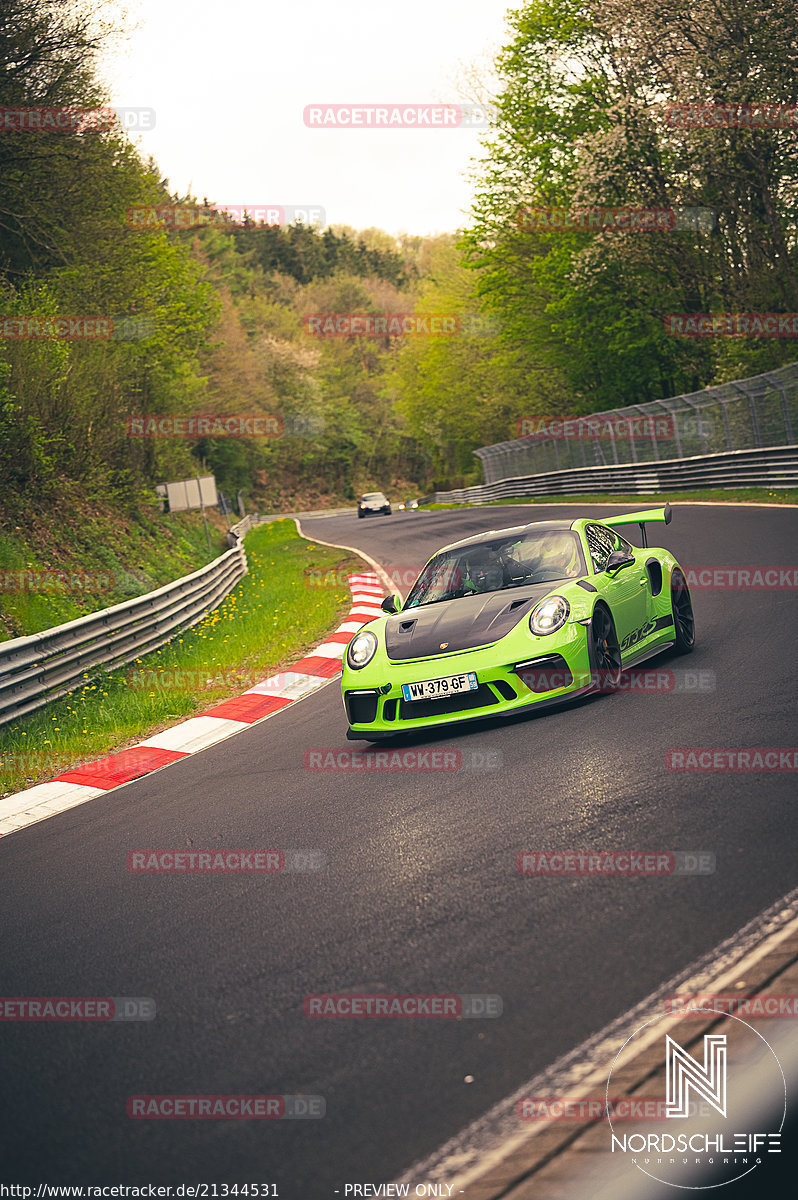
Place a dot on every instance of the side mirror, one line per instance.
(619, 559)
(391, 604)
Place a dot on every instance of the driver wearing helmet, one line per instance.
(484, 572)
(559, 551)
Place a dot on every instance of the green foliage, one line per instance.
(298, 251)
(460, 392)
(215, 314)
(582, 122)
(212, 318)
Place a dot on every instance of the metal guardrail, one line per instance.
(44, 666)
(238, 532)
(748, 414)
(774, 467)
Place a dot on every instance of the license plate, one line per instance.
(439, 689)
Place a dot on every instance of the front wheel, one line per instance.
(683, 620)
(605, 652)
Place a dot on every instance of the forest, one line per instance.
(560, 313)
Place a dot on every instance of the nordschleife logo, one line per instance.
(684, 1074)
(720, 1101)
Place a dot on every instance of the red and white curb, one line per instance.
(231, 716)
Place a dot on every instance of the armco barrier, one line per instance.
(775, 467)
(44, 666)
(239, 531)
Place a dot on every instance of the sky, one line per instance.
(229, 85)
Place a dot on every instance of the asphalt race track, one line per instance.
(420, 895)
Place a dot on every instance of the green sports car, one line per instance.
(516, 619)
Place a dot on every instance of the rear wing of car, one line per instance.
(649, 516)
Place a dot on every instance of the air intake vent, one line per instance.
(546, 674)
(361, 707)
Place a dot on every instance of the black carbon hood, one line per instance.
(470, 621)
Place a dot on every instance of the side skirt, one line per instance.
(648, 652)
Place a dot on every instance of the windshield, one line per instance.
(373, 496)
(545, 556)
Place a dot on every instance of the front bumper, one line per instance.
(375, 708)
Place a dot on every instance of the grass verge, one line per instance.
(268, 621)
(709, 495)
(78, 557)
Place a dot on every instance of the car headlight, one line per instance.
(361, 649)
(549, 616)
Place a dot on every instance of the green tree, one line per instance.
(582, 121)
